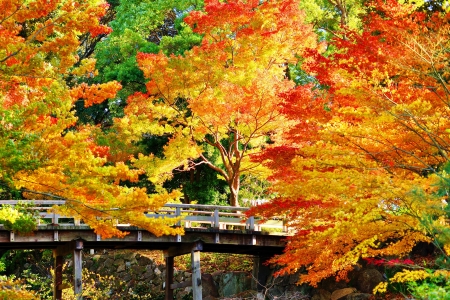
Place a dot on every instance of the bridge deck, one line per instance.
(220, 228)
(214, 240)
(216, 233)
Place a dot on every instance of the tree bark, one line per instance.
(234, 185)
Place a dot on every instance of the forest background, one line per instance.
(336, 112)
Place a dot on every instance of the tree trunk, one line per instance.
(234, 185)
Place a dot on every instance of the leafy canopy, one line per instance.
(225, 93)
(360, 177)
(42, 151)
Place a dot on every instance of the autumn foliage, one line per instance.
(363, 175)
(44, 153)
(225, 94)
(357, 151)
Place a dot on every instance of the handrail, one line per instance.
(215, 216)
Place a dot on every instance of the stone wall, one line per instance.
(359, 286)
(137, 275)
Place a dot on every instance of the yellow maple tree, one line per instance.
(225, 94)
(44, 153)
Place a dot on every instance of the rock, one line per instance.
(126, 277)
(147, 275)
(157, 271)
(108, 262)
(120, 268)
(321, 294)
(137, 269)
(341, 293)
(358, 296)
(277, 291)
(143, 261)
(330, 284)
(368, 279)
(157, 281)
(303, 289)
(119, 262)
(216, 276)
(87, 264)
(209, 287)
(232, 283)
(178, 276)
(130, 256)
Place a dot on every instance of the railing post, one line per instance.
(216, 218)
(55, 218)
(251, 223)
(178, 214)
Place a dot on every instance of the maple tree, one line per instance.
(150, 27)
(224, 95)
(43, 153)
(364, 174)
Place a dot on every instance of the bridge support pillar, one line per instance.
(196, 282)
(196, 275)
(169, 277)
(75, 248)
(57, 280)
(77, 269)
(260, 272)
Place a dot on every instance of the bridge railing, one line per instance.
(192, 216)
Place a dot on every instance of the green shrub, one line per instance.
(19, 218)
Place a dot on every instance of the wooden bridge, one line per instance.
(207, 228)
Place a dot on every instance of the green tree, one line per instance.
(146, 26)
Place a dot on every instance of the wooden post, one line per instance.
(77, 270)
(261, 272)
(216, 222)
(251, 223)
(169, 278)
(57, 279)
(196, 274)
(196, 282)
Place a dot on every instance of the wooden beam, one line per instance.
(183, 249)
(65, 249)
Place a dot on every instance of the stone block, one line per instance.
(342, 293)
(368, 279)
(321, 294)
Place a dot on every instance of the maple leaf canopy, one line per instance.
(225, 93)
(363, 175)
(43, 154)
